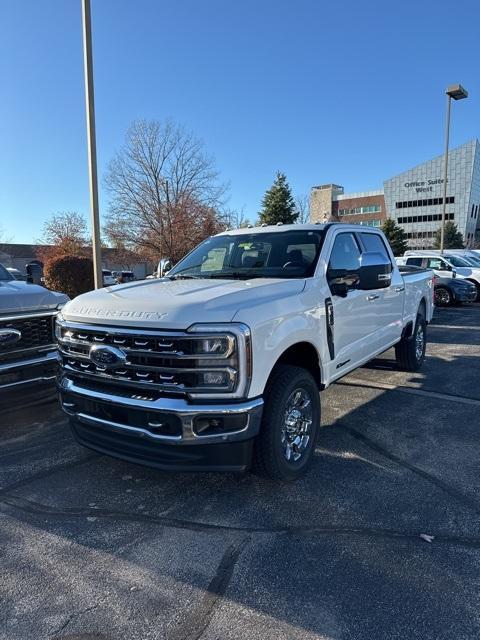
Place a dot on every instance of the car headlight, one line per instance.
(58, 322)
(223, 360)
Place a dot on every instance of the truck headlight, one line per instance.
(58, 322)
(223, 360)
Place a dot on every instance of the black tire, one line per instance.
(271, 457)
(443, 297)
(408, 353)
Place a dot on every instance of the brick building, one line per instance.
(329, 202)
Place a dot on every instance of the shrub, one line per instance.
(72, 275)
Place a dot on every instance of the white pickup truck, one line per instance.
(219, 364)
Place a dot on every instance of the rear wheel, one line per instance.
(410, 352)
(291, 419)
(443, 297)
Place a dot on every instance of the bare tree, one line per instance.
(236, 218)
(165, 191)
(66, 233)
(302, 205)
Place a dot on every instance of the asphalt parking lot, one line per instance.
(95, 548)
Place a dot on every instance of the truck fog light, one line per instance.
(215, 378)
(213, 425)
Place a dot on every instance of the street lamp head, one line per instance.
(457, 92)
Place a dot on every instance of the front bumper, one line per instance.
(464, 296)
(163, 433)
(33, 373)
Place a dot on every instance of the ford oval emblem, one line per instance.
(107, 357)
(9, 337)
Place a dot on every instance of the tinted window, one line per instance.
(4, 274)
(416, 262)
(345, 253)
(374, 242)
(436, 263)
(281, 254)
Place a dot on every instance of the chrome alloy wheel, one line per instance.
(419, 342)
(297, 425)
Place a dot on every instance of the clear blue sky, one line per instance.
(348, 92)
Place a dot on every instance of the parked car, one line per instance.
(123, 276)
(18, 275)
(444, 265)
(28, 352)
(450, 291)
(221, 362)
(108, 278)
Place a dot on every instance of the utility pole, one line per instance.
(91, 143)
(457, 92)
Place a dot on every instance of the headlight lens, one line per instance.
(227, 355)
(58, 330)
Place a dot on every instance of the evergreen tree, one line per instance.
(452, 238)
(396, 236)
(278, 204)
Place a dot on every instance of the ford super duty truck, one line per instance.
(28, 350)
(219, 365)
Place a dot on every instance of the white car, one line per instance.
(446, 265)
(108, 278)
(220, 363)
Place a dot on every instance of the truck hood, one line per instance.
(175, 304)
(17, 296)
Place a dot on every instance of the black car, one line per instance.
(450, 291)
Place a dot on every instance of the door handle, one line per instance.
(375, 296)
(398, 289)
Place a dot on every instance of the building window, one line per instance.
(428, 202)
(373, 208)
(427, 218)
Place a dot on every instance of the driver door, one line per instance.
(353, 327)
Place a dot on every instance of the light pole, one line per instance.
(92, 149)
(457, 92)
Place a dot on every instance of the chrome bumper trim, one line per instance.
(178, 406)
(31, 362)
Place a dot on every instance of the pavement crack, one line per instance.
(446, 488)
(198, 617)
(45, 473)
(15, 503)
(69, 619)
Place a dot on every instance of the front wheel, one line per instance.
(291, 419)
(410, 352)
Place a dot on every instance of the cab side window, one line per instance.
(344, 259)
(436, 263)
(373, 242)
(416, 262)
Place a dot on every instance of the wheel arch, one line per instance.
(302, 354)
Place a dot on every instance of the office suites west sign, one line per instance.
(424, 185)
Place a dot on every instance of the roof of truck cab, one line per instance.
(279, 228)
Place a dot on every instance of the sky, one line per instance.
(348, 92)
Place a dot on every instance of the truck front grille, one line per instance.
(163, 361)
(37, 332)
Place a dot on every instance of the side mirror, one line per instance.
(340, 280)
(375, 271)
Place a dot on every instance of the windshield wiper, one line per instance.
(234, 275)
(184, 276)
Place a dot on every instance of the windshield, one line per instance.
(472, 261)
(458, 262)
(281, 254)
(4, 274)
